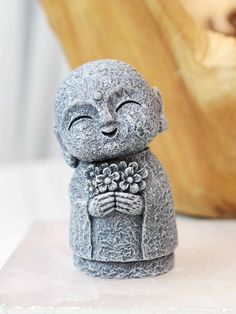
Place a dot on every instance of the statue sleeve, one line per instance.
(80, 225)
(159, 233)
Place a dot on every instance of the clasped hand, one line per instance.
(127, 203)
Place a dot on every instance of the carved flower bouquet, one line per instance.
(120, 177)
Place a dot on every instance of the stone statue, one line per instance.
(122, 221)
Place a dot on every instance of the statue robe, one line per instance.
(122, 237)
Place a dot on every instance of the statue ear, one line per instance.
(70, 160)
(157, 99)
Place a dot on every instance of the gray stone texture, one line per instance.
(122, 222)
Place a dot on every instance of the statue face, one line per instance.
(105, 110)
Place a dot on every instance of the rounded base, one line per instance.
(138, 269)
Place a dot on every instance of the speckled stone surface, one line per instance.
(122, 221)
(138, 269)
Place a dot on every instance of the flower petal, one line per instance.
(142, 185)
(112, 186)
(90, 168)
(122, 165)
(96, 192)
(137, 177)
(105, 165)
(100, 178)
(129, 171)
(134, 165)
(102, 188)
(143, 173)
(106, 171)
(123, 176)
(97, 170)
(94, 183)
(113, 167)
(134, 188)
(123, 186)
(115, 176)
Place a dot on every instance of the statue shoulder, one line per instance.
(158, 173)
(156, 166)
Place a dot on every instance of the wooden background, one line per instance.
(188, 50)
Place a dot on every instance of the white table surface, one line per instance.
(29, 191)
(40, 277)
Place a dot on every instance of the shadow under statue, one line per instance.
(122, 222)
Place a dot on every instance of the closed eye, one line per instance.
(127, 102)
(76, 119)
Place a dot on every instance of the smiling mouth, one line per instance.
(110, 134)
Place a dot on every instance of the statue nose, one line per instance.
(107, 120)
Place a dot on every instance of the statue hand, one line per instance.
(102, 204)
(128, 203)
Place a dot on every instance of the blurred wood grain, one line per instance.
(195, 69)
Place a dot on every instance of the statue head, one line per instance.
(105, 109)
